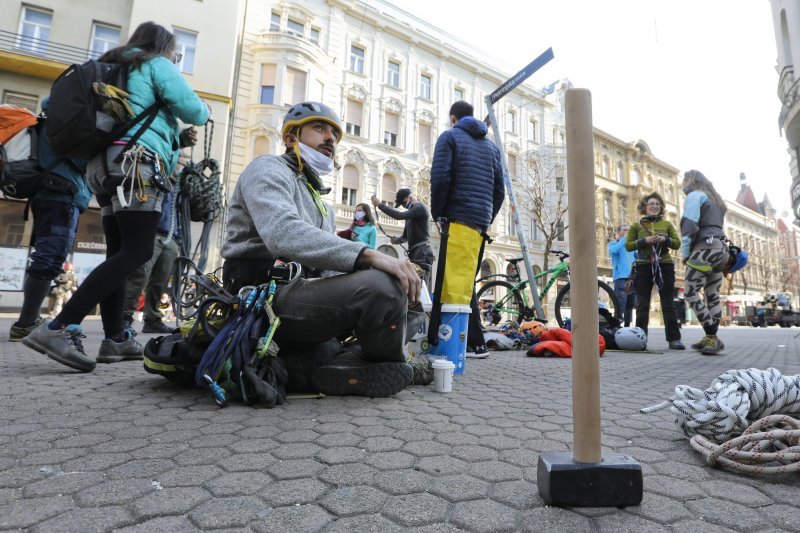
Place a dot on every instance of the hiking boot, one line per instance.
(17, 332)
(478, 352)
(349, 375)
(156, 326)
(713, 346)
(700, 344)
(61, 345)
(129, 349)
(676, 345)
(423, 371)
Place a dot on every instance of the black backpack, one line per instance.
(81, 118)
(22, 178)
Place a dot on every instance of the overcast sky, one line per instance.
(695, 79)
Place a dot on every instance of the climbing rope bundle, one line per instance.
(741, 402)
(200, 183)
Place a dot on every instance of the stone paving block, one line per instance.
(158, 451)
(377, 431)
(518, 494)
(119, 445)
(226, 512)
(660, 509)
(543, 445)
(456, 439)
(405, 481)
(519, 457)
(348, 501)
(201, 456)
(349, 474)
(141, 468)
(619, 523)
(495, 471)
(213, 440)
(700, 525)
(683, 471)
(381, 444)
(552, 519)
(100, 519)
(295, 518)
(62, 483)
(253, 445)
(303, 450)
(169, 501)
(53, 456)
(247, 462)
(782, 493)
(442, 465)
(82, 441)
(294, 469)
(391, 460)
(188, 476)
(335, 440)
(370, 523)
(726, 490)
(293, 492)
(173, 524)
(21, 475)
(726, 513)
(237, 483)
(335, 427)
(114, 492)
(9, 495)
(500, 442)
(783, 516)
(301, 435)
(676, 489)
(483, 516)
(28, 512)
(341, 454)
(459, 488)
(415, 509)
(474, 453)
(426, 448)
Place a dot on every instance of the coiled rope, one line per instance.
(740, 402)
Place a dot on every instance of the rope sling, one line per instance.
(740, 421)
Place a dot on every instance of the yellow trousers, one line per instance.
(461, 264)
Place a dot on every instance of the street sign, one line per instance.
(522, 75)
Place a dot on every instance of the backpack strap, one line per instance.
(150, 114)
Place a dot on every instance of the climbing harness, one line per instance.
(740, 402)
(132, 160)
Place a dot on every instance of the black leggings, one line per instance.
(129, 240)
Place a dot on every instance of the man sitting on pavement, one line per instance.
(276, 212)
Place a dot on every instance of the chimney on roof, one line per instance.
(742, 180)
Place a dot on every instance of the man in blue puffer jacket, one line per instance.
(467, 189)
(55, 221)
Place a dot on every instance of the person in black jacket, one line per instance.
(467, 189)
(416, 231)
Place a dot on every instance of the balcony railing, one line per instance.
(43, 49)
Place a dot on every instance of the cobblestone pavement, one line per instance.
(122, 449)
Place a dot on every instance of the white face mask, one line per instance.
(360, 215)
(317, 160)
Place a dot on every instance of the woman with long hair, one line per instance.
(652, 237)
(364, 226)
(130, 183)
(705, 255)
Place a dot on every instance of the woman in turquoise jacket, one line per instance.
(130, 184)
(364, 226)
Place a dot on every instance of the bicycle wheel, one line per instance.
(606, 299)
(503, 303)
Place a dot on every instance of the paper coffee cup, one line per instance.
(443, 375)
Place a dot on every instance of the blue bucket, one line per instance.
(452, 336)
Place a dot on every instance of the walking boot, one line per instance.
(700, 344)
(17, 332)
(713, 346)
(61, 345)
(350, 375)
(128, 349)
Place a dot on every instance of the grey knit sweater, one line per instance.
(273, 214)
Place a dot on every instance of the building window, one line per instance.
(186, 44)
(607, 207)
(295, 86)
(393, 74)
(425, 83)
(623, 210)
(354, 117)
(536, 233)
(350, 185)
(458, 94)
(620, 172)
(28, 101)
(388, 189)
(295, 28)
(424, 139)
(391, 129)
(670, 194)
(560, 231)
(104, 38)
(532, 127)
(512, 227)
(34, 30)
(559, 173)
(605, 167)
(267, 96)
(511, 122)
(357, 59)
(636, 177)
(261, 146)
(275, 22)
(512, 165)
(314, 35)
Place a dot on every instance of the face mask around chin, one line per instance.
(321, 163)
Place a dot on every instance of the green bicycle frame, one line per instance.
(520, 286)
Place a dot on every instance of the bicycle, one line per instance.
(511, 301)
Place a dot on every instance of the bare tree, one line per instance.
(542, 190)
